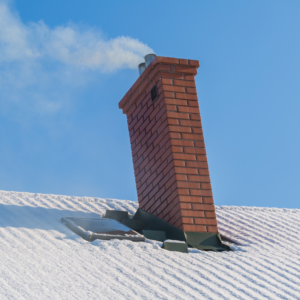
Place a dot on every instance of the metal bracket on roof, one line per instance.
(208, 241)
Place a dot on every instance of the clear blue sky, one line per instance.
(61, 131)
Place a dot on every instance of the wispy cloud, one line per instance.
(39, 65)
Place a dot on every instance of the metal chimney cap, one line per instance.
(149, 58)
(142, 68)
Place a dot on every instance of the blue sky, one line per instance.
(65, 65)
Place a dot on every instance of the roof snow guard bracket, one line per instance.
(102, 229)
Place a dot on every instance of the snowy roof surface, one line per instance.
(42, 259)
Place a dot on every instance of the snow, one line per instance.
(42, 259)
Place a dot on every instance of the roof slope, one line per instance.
(42, 259)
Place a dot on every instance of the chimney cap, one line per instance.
(148, 58)
(141, 68)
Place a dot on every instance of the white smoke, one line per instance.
(34, 58)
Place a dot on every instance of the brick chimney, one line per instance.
(167, 144)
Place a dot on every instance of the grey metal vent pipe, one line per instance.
(142, 68)
(149, 58)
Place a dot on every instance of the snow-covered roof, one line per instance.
(42, 259)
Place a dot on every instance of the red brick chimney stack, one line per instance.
(167, 144)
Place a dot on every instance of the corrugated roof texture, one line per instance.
(42, 259)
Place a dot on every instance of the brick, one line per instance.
(173, 198)
(158, 140)
(150, 164)
(181, 177)
(186, 96)
(159, 166)
(183, 192)
(193, 103)
(179, 163)
(147, 137)
(169, 94)
(153, 125)
(192, 171)
(160, 154)
(138, 125)
(195, 117)
(164, 141)
(192, 213)
(144, 124)
(206, 186)
(196, 164)
(173, 122)
(184, 62)
(210, 214)
(171, 107)
(187, 220)
(176, 149)
(139, 175)
(136, 111)
(170, 75)
(160, 192)
(158, 179)
(180, 129)
(167, 60)
(185, 83)
(187, 136)
(201, 193)
(201, 158)
(203, 172)
(142, 112)
(186, 70)
(212, 229)
(185, 205)
(175, 135)
(197, 130)
(208, 200)
(194, 63)
(143, 164)
(188, 185)
(189, 77)
(175, 101)
(204, 221)
(150, 189)
(158, 68)
(184, 156)
(190, 199)
(194, 228)
(200, 151)
(142, 188)
(198, 178)
(168, 168)
(200, 144)
(148, 112)
(162, 112)
(173, 88)
(188, 109)
(136, 149)
(190, 123)
(191, 90)
(204, 207)
(181, 143)
(151, 178)
(174, 115)
(154, 113)
(167, 81)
